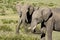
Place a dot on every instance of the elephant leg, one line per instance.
(43, 33)
(18, 26)
(49, 33)
(24, 19)
(49, 29)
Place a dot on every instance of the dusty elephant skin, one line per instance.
(49, 19)
(25, 13)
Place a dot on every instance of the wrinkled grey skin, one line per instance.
(25, 13)
(49, 19)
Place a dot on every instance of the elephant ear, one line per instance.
(18, 8)
(31, 9)
(46, 14)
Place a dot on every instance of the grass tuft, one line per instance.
(5, 28)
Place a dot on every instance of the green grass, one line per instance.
(56, 35)
(13, 36)
(5, 28)
(7, 21)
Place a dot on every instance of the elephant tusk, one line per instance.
(33, 27)
(29, 28)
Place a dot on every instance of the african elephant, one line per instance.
(49, 19)
(25, 13)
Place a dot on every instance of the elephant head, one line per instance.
(23, 9)
(39, 16)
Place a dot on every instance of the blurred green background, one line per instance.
(9, 19)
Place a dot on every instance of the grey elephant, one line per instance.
(25, 13)
(49, 19)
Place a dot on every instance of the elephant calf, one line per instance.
(49, 19)
(25, 13)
